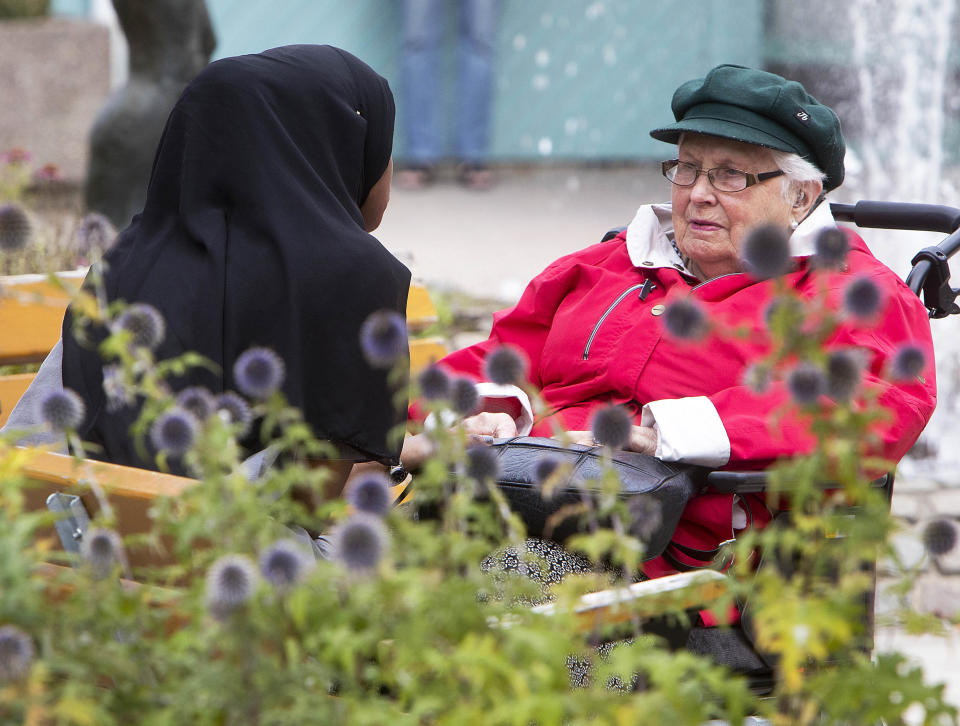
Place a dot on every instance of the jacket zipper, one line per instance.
(586, 350)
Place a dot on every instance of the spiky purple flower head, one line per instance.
(383, 338)
(115, 388)
(611, 426)
(684, 319)
(434, 383)
(646, 516)
(370, 492)
(63, 409)
(908, 362)
(144, 323)
(285, 563)
(830, 248)
(506, 364)
(359, 543)
(258, 372)
(95, 232)
(231, 582)
(463, 396)
(174, 431)
(785, 313)
(198, 401)
(844, 369)
(757, 377)
(235, 411)
(102, 550)
(16, 653)
(940, 536)
(545, 467)
(482, 463)
(766, 251)
(862, 298)
(15, 228)
(806, 383)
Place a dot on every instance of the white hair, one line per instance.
(796, 171)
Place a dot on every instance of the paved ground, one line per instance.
(490, 243)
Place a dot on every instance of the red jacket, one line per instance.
(591, 340)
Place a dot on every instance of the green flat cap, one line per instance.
(745, 104)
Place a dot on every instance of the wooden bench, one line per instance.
(31, 315)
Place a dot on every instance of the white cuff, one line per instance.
(688, 430)
(495, 390)
(489, 390)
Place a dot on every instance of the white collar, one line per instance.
(650, 236)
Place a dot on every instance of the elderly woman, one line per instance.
(752, 148)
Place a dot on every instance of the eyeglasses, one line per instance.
(722, 178)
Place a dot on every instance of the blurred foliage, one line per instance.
(427, 636)
(24, 8)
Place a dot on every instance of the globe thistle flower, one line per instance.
(843, 374)
(102, 549)
(611, 426)
(15, 228)
(757, 377)
(370, 493)
(862, 298)
(766, 251)
(115, 388)
(359, 543)
(63, 410)
(434, 383)
(830, 248)
(505, 365)
(258, 372)
(940, 537)
(646, 516)
(383, 338)
(197, 401)
(806, 383)
(482, 463)
(144, 323)
(684, 319)
(908, 362)
(95, 232)
(16, 653)
(174, 431)
(284, 563)
(231, 582)
(234, 411)
(463, 396)
(787, 313)
(544, 468)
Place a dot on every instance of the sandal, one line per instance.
(475, 176)
(414, 177)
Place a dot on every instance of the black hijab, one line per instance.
(252, 235)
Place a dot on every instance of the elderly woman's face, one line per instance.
(710, 225)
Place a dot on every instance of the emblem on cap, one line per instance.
(801, 116)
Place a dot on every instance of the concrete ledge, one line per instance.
(54, 78)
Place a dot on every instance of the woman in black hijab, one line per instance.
(270, 173)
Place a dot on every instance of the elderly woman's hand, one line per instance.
(417, 448)
(643, 439)
(496, 425)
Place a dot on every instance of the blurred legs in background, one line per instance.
(423, 100)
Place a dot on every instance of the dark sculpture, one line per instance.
(170, 42)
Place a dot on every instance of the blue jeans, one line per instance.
(420, 78)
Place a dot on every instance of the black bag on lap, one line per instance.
(654, 489)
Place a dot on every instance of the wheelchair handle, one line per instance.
(899, 215)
